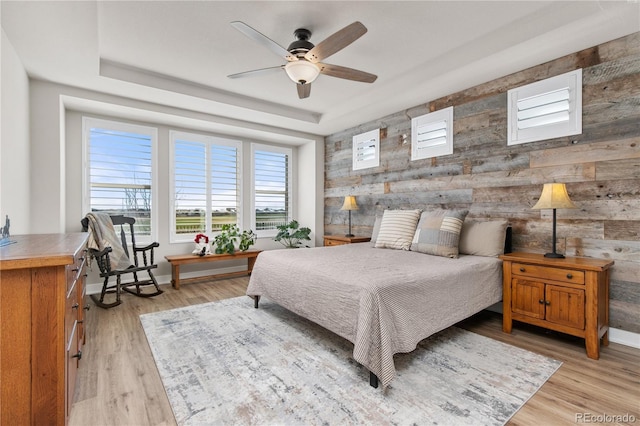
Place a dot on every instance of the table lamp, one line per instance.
(554, 196)
(349, 204)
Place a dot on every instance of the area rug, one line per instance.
(228, 363)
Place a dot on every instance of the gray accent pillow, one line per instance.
(483, 238)
(397, 228)
(438, 232)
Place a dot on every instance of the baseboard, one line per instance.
(96, 288)
(624, 337)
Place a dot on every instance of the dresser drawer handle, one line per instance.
(521, 269)
(569, 276)
(75, 306)
(78, 355)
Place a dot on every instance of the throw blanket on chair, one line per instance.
(103, 235)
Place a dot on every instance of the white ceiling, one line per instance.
(179, 53)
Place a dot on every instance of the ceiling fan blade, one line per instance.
(304, 90)
(335, 42)
(262, 39)
(346, 73)
(253, 73)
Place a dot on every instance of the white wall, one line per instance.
(14, 143)
(56, 193)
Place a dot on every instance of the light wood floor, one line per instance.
(118, 383)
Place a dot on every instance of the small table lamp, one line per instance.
(349, 204)
(554, 196)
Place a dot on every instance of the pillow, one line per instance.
(438, 232)
(376, 230)
(397, 228)
(483, 238)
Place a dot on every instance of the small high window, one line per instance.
(546, 109)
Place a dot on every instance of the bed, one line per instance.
(383, 301)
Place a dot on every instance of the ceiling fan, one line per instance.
(303, 57)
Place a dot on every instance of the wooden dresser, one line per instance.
(569, 295)
(42, 329)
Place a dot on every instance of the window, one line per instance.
(120, 173)
(432, 134)
(366, 150)
(546, 109)
(271, 177)
(206, 184)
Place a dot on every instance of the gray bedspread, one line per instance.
(383, 301)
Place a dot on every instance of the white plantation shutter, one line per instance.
(206, 184)
(190, 192)
(366, 150)
(545, 109)
(271, 186)
(224, 185)
(432, 134)
(119, 171)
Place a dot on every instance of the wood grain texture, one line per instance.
(119, 383)
(601, 166)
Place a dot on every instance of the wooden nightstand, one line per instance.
(568, 295)
(338, 240)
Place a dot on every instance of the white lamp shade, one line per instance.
(349, 203)
(302, 71)
(554, 196)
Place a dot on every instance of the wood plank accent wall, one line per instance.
(601, 168)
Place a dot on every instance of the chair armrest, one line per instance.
(102, 259)
(149, 247)
(146, 261)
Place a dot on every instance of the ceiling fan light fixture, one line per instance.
(302, 71)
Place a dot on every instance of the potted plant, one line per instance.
(291, 235)
(231, 238)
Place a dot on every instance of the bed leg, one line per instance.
(373, 380)
(256, 300)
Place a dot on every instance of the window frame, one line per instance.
(573, 126)
(270, 233)
(372, 136)
(209, 140)
(436, 117)
(121, 126)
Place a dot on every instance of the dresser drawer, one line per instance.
(328, 242)
(548, 273)
(76, 268)
(71, 311)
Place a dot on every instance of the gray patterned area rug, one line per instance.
(228, 363)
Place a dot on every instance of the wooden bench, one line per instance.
(186, 259)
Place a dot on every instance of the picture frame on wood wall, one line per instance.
(366, 150)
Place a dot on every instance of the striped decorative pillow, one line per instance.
(438, 233)
(397, 229)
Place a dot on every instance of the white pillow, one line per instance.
(483, 238)
(397, 228)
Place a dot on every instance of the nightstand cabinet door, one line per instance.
(528, 298)
(565, 306)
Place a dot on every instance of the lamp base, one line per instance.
(554, 255)
(349, 235)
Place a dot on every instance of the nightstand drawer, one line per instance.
(548, 273)
(328, 242)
